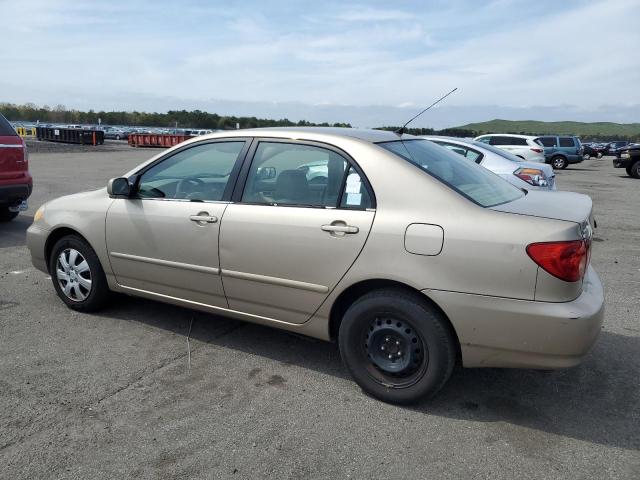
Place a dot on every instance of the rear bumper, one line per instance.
(15, 193)
(502, 332)
(36, 241)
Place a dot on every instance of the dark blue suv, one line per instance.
(560, 151)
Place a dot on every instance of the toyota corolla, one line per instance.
(407, 255)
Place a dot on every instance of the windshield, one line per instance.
(467, 178)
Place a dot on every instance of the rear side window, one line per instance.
(548, 141)
(472, 181)
(504, 140)
(567, 142)
(292, 174)
(5, 127)
(466, 152)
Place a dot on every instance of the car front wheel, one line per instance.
(397, 346)
(634, 170)
(77, 275)
(559, 163)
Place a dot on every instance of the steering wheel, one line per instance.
(187, 186)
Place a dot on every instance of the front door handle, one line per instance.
(203, 217)
(340, 228)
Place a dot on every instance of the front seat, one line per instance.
(292, 187)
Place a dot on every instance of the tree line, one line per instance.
(30, 112)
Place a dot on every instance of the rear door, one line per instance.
(301, 216)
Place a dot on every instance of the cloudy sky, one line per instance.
(365, 62)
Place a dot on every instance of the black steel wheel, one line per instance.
(397, 346)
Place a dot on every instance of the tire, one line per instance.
(87, 299)
(6, 215)
(559, 163)
(634, 170)
(117, 137)
(586, 156)
(405, 325)
(599, 155)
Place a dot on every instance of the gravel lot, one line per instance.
(114, 395)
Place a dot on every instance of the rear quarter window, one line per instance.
(567, 142)
(6, 128)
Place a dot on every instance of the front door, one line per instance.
(165, 239)
(300, 223)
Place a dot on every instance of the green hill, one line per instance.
(595, 130)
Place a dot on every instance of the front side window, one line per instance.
(548, 141)
(199, 173)
(293, 174)
(470, 180)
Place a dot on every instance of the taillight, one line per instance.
(537, 150)
(532, 176)
(564, 260)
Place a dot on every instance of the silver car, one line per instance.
(409, 256)
(523, 174)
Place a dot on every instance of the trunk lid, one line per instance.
(568, 206)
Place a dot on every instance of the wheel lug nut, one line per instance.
(397, 342)
(390, 357)
(382, 348)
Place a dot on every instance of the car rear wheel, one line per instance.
(397, 347)
(559, 163)
(77, 275)
(7, 215)
(586, 156)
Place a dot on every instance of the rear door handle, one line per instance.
(340, 228)
(203, 217)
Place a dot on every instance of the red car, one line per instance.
(15, 181)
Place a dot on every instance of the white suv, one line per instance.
(523, 146)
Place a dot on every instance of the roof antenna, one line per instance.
(403, 128)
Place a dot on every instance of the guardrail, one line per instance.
(70, 135)
(26, 131)
(156, 140)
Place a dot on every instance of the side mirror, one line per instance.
(266, 173)
(119, 187)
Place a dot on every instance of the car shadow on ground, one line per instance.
(594, 402)
(14, 233)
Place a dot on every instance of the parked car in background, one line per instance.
(15, 181)
(523, 146)
(629, 159)
(522, 174)
(408, 255)
(116, 134)
(561, 151)
(589, 150)
(613, 148)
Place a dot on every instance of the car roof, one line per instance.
(516, 135)
(367, 135)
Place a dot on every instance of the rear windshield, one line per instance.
(467, 178)
(5, 127)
